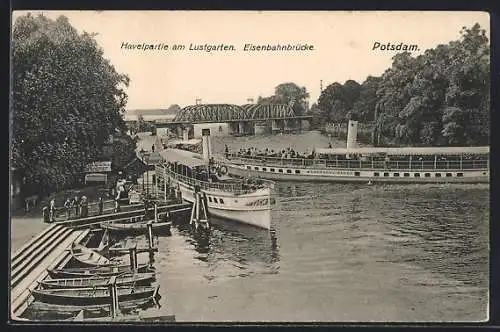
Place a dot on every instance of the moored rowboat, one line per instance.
(92, 296)
(88, 257)
(107, 271)
(45, 309)
(138, 227)
(121, 280)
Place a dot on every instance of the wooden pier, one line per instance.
(51, 249)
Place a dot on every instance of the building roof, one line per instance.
(183, 157)
(420, 151)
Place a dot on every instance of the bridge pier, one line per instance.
(259, 128)
(241, 127)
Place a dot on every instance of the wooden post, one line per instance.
(197, 200)
(133, 257)
(193, 209)
(156, 212)
(113, 294)
(150, 234)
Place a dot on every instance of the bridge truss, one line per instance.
(228, 112)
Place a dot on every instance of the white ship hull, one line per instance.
(290, 173)
(252, 208)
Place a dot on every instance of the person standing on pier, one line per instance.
(52, 210)
(101, 206)
(76, 205)
(84, 207)
(226, 151)
(68, 205)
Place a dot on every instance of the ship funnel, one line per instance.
(206, 144)
(352, 134)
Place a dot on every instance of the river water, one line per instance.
(336, 253)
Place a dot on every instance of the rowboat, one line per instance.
(138, 227)
(93, 296)
(104, 271)
(121, 280)
(46, 309)
(88, 257)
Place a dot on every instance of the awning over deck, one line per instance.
(420, 151)
(183, 157)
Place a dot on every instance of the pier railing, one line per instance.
(465, 164)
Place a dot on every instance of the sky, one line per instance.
(342, 43)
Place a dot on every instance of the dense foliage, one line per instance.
(441, 97)
(288, 93)
(67, 100)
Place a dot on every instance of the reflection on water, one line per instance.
(234, 242)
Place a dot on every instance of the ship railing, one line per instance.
(465, 164)
(238, 188)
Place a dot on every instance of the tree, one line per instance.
(442, 96)
(173, 109)
(288, 93)
(335, 102)
(67, 99)
(365, 104)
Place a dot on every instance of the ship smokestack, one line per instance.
(352, 134)
(206, 144)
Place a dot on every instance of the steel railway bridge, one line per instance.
(239, 120)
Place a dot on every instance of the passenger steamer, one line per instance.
(435, 165)
(226, 197)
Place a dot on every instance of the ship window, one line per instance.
(297, 171)
(376, 174)
(357, 174)
(427, 175)
(460, 175)
(272, 170)
(264, 169)
(406, 174)
(396, 174)
(210, 199)
(256, 168)
(289, 171)
(438, 175)
(248, 167)
(221, 201)
(280, 170)
(448, 175)
(215, 200)
(386, 174)
(417, 175)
